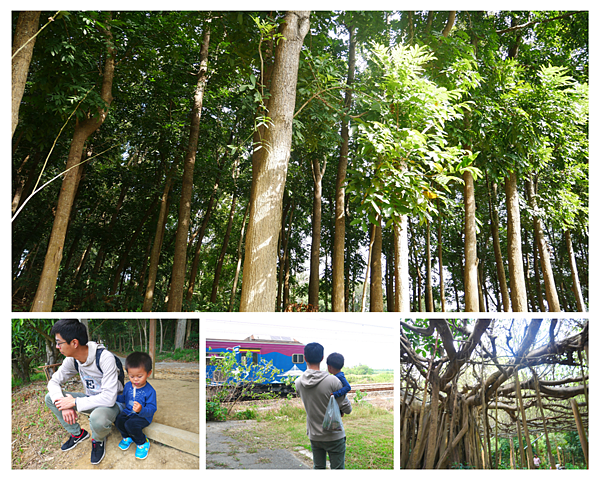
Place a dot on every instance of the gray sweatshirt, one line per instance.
(315, 387)
(101, 388)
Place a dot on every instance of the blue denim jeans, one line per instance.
(101, 418)
(131, 426)
(336, 450)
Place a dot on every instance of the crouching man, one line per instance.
(315, 387)
(100, 378)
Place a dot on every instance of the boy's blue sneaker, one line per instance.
(141, 451)
(125, 443)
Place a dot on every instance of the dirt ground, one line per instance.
(37, 435)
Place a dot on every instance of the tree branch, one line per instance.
(534, 22)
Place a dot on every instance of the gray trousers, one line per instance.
(101, 418)
(336, 450)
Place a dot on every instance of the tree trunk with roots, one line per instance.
(444, 418)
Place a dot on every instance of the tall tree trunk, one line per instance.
(181, 237)
(551, 293)
(337, 260)
(389, 278)
(449, 23)
(470, 273)
(401, 273)
(25, 182)
(497, 250)
(315, 248)
(199, 239)
(574, 274)
(364, 292)
(24, 41)
(44, 296)
(440, 262)
(269, 170)
(518, 289)
(160, 348)
(239, 262)
(180, 333)
(428, 282)
(213, 295)
(157, 245)
(376, 304)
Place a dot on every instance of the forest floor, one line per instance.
(37, 435)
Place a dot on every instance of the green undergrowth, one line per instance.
(369, 433)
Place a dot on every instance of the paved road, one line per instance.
(224, 452)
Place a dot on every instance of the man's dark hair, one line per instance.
(313, 352)
(137, 360)
(69, 330)
(336, 360)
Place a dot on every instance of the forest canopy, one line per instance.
(273, 161)
(491, 393)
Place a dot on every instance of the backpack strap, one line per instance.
(98, 355)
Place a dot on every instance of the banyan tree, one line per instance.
(492, 393)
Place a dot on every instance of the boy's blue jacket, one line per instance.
(345, 385)
(146, 396)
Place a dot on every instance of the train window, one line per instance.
(298, 358)
(212, 360)
(249, 357)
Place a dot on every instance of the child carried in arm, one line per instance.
(335, 363)
(138, 401)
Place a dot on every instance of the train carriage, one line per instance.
(283, 353)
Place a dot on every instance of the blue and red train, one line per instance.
(283, 353)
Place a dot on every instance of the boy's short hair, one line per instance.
(336, 360)
(137, 360)
(313, 352)
(69, 330)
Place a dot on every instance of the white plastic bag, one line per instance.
(333, 418)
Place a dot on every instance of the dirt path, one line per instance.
(224, 452)
(37, 435)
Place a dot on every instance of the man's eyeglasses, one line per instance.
(58, 344)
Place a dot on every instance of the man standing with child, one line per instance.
(315, 387)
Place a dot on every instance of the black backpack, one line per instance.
(121, 375)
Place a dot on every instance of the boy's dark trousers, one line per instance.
(131, 426)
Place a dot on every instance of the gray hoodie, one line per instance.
(315, 387)
(101, 388)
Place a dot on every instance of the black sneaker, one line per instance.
(97, 452)
(73, 441)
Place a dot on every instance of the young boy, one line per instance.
(335, 363)
(139, 404)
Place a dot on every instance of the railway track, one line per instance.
(372, 387)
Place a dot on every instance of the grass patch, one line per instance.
(17, 382)
(369, 432)
(384, 377)
(180, 355)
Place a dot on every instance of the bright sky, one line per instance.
(365, 339)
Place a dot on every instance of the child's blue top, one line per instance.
(145, 396)
(345, 385)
